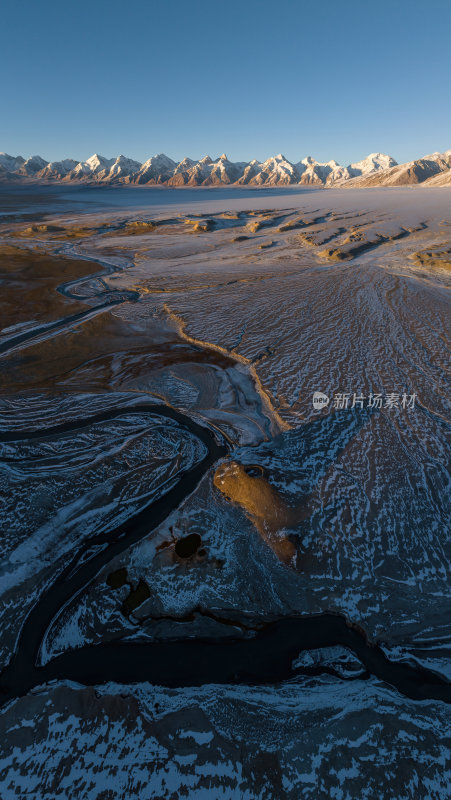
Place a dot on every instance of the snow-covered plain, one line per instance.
(247, 307)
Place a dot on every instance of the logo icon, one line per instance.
(320, 400)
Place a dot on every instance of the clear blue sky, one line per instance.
(330, 78)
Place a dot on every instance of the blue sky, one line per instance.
(252, 78)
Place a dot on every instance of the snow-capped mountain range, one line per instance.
(377, 169)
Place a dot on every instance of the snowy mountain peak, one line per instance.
(186, 162)
(36, 161)
(57, 169)
(374, 162)
(32, 166)
(164, 158)
(160, 162)
(11, 163)
(308, 160)
(96, 161)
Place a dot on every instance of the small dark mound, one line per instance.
(136, 597)
(188, 545)
(117, 579)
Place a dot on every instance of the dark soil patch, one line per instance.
(136, 597)
(117, 578)
(188, 545)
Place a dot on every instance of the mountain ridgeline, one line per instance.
(377, 169)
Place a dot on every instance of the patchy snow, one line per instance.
(309, 738)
